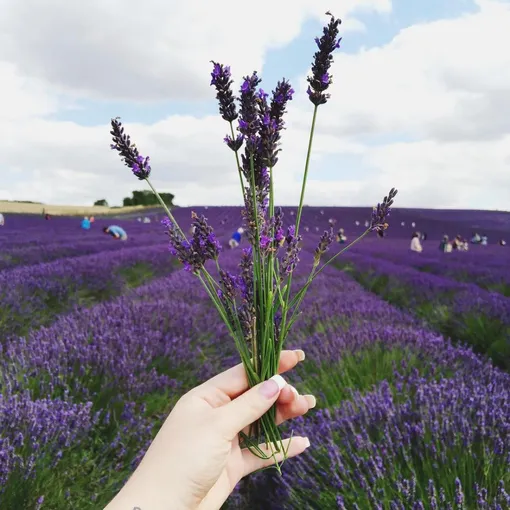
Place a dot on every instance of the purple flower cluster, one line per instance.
(221, 80)
(29, 293)
(411, 432)
(320, 80)
(128, 151)
(202, 246)
(382, 211)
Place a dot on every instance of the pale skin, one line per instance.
(195, 460)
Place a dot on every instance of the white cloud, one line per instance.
(442, 85)
(151, 50)
(457, 174)
(446, 79)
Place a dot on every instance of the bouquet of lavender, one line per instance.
(256, 305)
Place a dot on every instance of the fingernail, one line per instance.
(273, 386)
(300, 354)
(294, 391)
(307, 443)
(312, 401)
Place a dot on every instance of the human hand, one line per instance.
(195, 461)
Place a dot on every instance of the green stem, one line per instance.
(298, 298)
(299, 212)
(307, 164)
(237, 160)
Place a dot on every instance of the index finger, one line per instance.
(233, 382)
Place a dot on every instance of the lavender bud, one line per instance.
(323, 246)
(381, 212)
(221, 80)
(128, 152)
(321, 79)
(234, 143)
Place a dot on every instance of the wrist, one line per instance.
(142, 493)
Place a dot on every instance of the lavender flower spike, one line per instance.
(321, 79)
(381, 212)
(323, 246)
(221, 80)
(128, 151)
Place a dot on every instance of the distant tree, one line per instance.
(147, 198)
(101, 202)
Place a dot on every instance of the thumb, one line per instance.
(251, 405)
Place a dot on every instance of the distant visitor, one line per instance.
(116, 232)
(457, 243)
(236, 238)
(85, 223)
(2, 220)
(484, 241)
(445, 245)
(476, 239)
(415, 243)
(341, 237)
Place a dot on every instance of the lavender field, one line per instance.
(407, 353)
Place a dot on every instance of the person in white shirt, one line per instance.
(2, 220)
(415, 243)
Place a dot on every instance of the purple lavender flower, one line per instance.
(193, 253)
(321, 79)
(291, 257)
(234, 143)
(268, 134)
(279, 236)
(381, 212)
(459, 495)
(282, 94)
(128, 151)
(323, 246)
(221, 80)
(248, 122)
(204, 239)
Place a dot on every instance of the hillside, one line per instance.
(65, 210)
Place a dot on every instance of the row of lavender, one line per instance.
(485, 266)
(31, 239)
(461, 311)
(404, 414)
(31, 296)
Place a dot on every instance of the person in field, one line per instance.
(236, 238)
(2, 220)
(476, 239)
(444, 244)
(415, 243)
(502, 242)
(116, 232)
(85, 223)
(341, 238)
(457, 243)
(484, 241)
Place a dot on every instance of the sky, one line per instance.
(420, 99)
